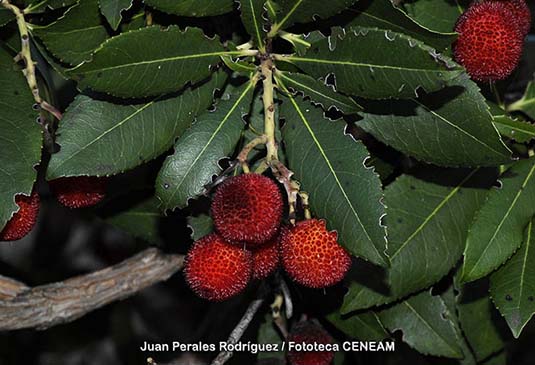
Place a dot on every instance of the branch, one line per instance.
(52, 304)
(269, 109)
(238, 331)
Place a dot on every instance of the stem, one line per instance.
(242, 157)
(496, 94)
(269, 110)
(306, 207)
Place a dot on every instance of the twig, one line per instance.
(239, 330)
(284, 176)
(48, 305)
(288, 304)
(269, 109)
(242, 157)
(279, 320)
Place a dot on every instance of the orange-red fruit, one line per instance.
(216, 270)
(266, 258)
(79, 191)
(247, 208)
(22, 221)
(310, 333)
(490, 41)
(521, 13)
(312, 256)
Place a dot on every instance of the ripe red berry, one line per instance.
(79, 191)
(312, 256)
(247, 208)
(310, 333)
(521, 13)
(266, 258)
(490, 41)
(22, 221)
(216, 270)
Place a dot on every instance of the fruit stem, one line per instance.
(269, 109)
(242, 157)
(306, 207)
(279, 320)
(25, 55)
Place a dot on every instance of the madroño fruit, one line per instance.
(247, 208)
(79, 191)
(22, 221)
(490, 41)
(312, 256)
(310, 333)
(266, 258)
(217, 270)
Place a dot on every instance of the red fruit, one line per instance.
(312, 256)
(490, 41)
(521, 13)
(79, 191)
(216, 270)
(247, 208)
(266, 258)
(22, 221)
(310, 333)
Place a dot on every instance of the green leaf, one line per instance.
(428, 127)
(200, 225)
(427, 224)
(497, 230)
(527, 103)
(251, 15)
(20, 139)
(363, 326)
(498, 359)
(318, 92)
(330, 166)
(100, 138)
(192, 7)
(40, 6)
(141, 220)
(63, 37)
(516, 129)
(285, 13)
(267, 334)
(134, 65)
(379, 72)
(383, 14)
(436, 15)
(5, 16)
(212, 137)
(112, 9)
(426, 325)
(513, 286)
(478, 319)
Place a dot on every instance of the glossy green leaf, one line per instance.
(285, 13)
(330, 166)
(383, 14)
(267, 334)
(134, 65)
(251, 14)
(498, 228)
(20, 138)
(379, 72)
(426, 325)
(112, 9)
(212, 137)
(63, 37)
(39, 6)
(318, 92)
(101, 138)
(513, 286)
(427, 227)
(362, 326)
(192, 7)
(427, 128)
(527, 103)
(200, 226)
(5, 16)
(436, 15)
(511, 127)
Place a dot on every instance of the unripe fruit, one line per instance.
(266, 258)
(309, 333)
(490, 41)
(247, 208)
(217, 270)
(22, 221)
(312, 256)
(79, 191)
(521, 13)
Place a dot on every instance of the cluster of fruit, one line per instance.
(72, 192)
(491, 38)
(250, 240)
